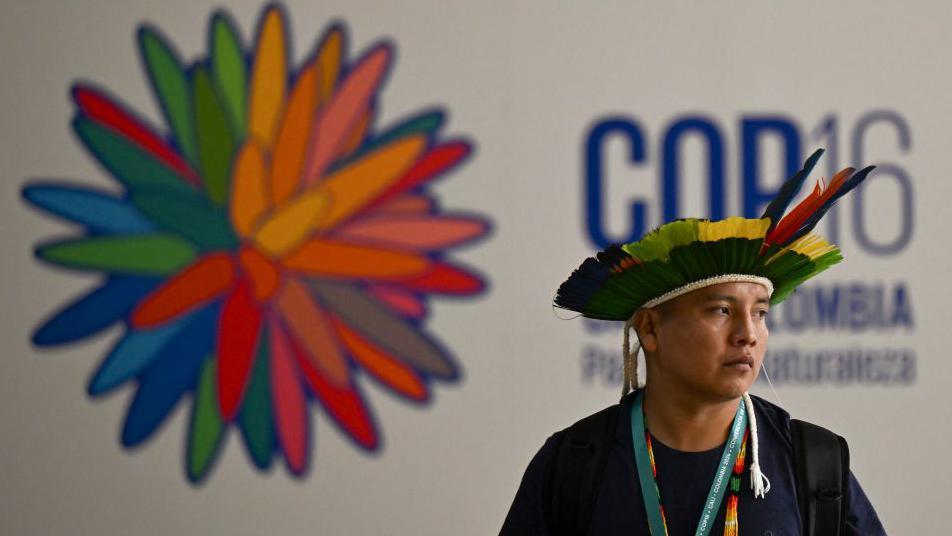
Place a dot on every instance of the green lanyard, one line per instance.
(649, 487)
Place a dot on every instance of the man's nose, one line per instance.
(745, 333)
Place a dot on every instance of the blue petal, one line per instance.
(99, 212)
(175, 371)
(94, 311)
(134, 353)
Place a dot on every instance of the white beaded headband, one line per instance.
(701, 283)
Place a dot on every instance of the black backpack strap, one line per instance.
(574, 473)
(823, 465)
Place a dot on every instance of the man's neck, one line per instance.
(686, 423)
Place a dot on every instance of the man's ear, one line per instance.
(646, 325)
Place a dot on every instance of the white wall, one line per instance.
(525, 81)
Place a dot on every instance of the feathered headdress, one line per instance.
(779, 252)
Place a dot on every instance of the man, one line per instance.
(691, 452)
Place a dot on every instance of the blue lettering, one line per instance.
(756, 197)
(902, 310)
(594, 190)
(828, 307)
(671, 169)
(883, 169)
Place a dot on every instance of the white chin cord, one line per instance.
(758, 481)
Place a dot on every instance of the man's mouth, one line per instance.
(741, 363)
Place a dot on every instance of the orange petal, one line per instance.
(291, 145)
(328, 64)
(249, 198)
(435, 162)
(309, 325)
(201, 282)
(264, 274)
(357, 185)
(391, 371)
(416, 233)
(293, 223)
(268, 79)
(345, 109)
(337, 259)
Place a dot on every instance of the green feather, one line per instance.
(657, 244)
(673, 256)
(800, 271)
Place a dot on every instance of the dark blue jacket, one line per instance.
(684, 479)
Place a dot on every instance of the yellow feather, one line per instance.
(736, 227)
(810, 244)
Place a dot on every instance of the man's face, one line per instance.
(712, 341)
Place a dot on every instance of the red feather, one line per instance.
(819, 197)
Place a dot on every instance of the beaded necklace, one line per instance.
(730, 520)
(731, 524)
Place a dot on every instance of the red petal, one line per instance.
(445, 279)
(198, 284)
(98, 107)
(344, 404)
(238, 331)
(406, 303)
(290, 406)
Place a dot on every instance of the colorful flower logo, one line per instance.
(269, 249)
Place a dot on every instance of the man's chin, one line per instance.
(736, 383)
(729, 390)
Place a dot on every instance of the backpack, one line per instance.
(573, 475)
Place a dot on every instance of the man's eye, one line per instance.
(762, 313)
(723, 310)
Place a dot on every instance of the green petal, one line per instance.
(229, 70)
(255, 417)
(206, 429)
(216, 142)
(130, 164)
(421, 124)
(171, 89)
(151, 255)
(193, 218)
